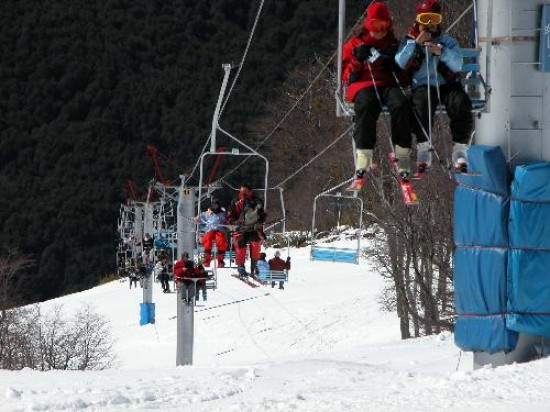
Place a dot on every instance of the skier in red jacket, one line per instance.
(247, 212)
(369, 72)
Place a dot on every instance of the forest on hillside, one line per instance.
(85, 86)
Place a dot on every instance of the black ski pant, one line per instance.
(368, 109)
(456, 102)
(164, 281)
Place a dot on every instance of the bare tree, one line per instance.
(28, 338)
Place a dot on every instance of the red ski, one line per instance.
(247, 281)
(407, 190)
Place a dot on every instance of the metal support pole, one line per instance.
(283, 208)
(186, 219)
(185, 304)
(341, 23)
(147, 308)
(215, 118)
(186, 323)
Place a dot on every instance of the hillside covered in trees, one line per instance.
(86, 85)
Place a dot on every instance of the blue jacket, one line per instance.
(212, 221)
(262, 265)
(451, 56)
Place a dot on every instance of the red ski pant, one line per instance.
(240, 240)
(221, 242)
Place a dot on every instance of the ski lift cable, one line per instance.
(200, 156)
(283, 119)
(315, 157)
(322, 70)
(258, 14)
(285, 116)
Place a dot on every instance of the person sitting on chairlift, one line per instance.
(261, 264)
(214, 219)
(279, 264)
(433, 58)
(247, 212)
(370, 72)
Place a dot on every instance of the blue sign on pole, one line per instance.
(544, 48)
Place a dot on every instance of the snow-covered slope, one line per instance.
(322, 344)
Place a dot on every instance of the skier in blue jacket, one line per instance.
(214, 220)
(433, 58)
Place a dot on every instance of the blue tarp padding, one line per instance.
(147, 313)
(490, 165)
(486, 333)
(480, 281)
(481, 210)
(533, 324)
(529, 259)
(530, 207)
(471, 209)
(529, 281)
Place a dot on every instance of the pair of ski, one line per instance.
(407, 190)
(247, 280)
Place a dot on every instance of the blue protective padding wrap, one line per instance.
(484, 333)
(530, 207)
(480, 282)
(481, 209)
(147, 313)
(529, 260)
(489, 170)
(481, 218)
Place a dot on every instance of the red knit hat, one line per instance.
(429, 6)
(377, 12)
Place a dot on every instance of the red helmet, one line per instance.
(429, 6)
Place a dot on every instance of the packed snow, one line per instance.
(321, 344)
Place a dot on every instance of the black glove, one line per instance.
(387, 62)
(361, 52)
(354, 76)
(288, 259)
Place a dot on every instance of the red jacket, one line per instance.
(245, 212)
(382, 67)
(179, 267)
(279, 264)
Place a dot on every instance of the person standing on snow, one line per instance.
(161, 271)
(214, 219)
(369, 71)
(247, 212)
(433, 59)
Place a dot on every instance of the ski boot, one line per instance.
(460, 158)
(358, 181)
(402, 157)
(423, 158)
(242, 272)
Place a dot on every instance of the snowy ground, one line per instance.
(322, 344)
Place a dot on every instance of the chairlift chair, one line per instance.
(472, 79)
(336, 254)
(237, 151)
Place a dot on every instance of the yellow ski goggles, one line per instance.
(429, 18)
